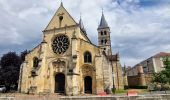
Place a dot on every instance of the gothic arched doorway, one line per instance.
(60, 83)
(88, 84)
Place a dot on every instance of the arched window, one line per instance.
(105, 41)
(60, 20)
(102, 41)
(101, 33)
(35, 62)
(87, 57)
(105, 33)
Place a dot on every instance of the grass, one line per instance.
(125, 91)
(120, 91)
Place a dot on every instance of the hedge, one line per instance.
(135, 87)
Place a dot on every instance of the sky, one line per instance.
(139, 28)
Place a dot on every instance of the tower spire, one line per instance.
(81, 25)
(61, 3)
(103, 22)
(104, 36)
(102, 10)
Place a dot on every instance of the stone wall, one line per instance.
(141, 97)
(139, 80)
(118, 77)
(133, 80)
(59, 97)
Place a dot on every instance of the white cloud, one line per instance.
(137, 31)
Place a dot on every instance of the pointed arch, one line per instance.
(105, 41)
(105, 32)
(87, 57)
(101, 32)
(102, 41)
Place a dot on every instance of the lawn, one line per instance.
(125, 91)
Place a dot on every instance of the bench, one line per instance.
(132, 93)
(102, 94)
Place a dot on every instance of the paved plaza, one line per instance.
(155, 95)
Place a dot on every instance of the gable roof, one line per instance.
(67, 19)
(161, 54)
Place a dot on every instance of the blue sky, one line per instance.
(139, 28)
(149, 3)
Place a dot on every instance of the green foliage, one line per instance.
(10, 64)
(160, 77)
(166, 62)
(126, 87)
(164, 75)
(10, 59)
(120, 91)
(136, 87)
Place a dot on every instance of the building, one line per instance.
(66, 61)
(153, 64)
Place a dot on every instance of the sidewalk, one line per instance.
(141, 96)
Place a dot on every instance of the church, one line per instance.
(67, 62)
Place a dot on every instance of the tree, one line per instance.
(10, 67)
(23, 54)
(160, 78)
(163, 76)
(166, 62)
(1, 80)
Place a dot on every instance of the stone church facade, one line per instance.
(66, 61)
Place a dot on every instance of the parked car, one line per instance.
(2, 89)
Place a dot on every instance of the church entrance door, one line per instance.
(88, 84)
(60, 83)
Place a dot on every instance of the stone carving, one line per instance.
(86, 70)
(59, 65)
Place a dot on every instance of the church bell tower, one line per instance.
(104, 36)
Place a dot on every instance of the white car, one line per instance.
(2, 88)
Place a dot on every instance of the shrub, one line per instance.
(165, 87)
(126, 87)
(120, 91)
(135, 87)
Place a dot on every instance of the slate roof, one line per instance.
(103, 22)
(82, 26)
(161, 54)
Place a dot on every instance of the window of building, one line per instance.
(102, 41)
(87, 57)
(35, 62)
(105, 41)
(101, 32)
(105, 33)
(60, 20)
